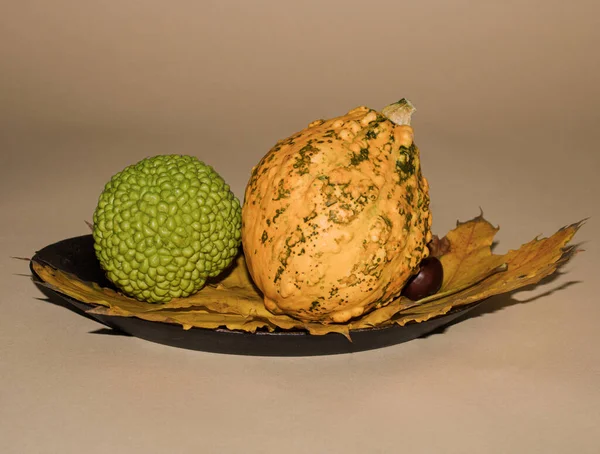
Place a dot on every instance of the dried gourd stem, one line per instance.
(399, 112)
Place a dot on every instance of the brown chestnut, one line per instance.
(427, 282)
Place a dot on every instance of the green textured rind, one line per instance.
(164, 225)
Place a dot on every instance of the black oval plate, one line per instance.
(76, 256)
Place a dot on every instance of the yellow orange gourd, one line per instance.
(336, 217)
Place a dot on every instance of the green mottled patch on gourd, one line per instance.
(302, 159)
(371, 134)
(282, 192)
(280, 270)
(331, 134)
(278, 213)
(386, 220)
(405, 165)
(409, 194)
(357, 158)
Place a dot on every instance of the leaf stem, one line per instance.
(439, 295)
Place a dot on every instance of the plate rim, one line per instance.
(278, 332)
(278, 343)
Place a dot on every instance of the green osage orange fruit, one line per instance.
(163, 226)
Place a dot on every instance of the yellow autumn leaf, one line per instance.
(233, 303)
(471, 273)
(475, 276)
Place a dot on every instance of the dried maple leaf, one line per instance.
(234, 303)
(438, 247)
(471, 273)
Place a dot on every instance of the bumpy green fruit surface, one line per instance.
(164, 225)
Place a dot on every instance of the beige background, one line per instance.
(507, 96)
